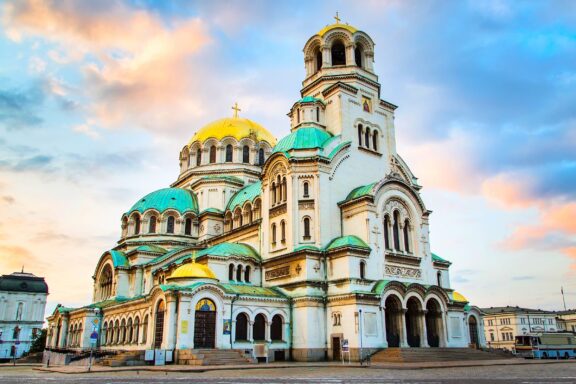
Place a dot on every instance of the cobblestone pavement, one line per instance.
(541, 374)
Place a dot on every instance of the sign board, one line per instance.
(169, 356)
(149, 355)
(345, 345)
(159, 357)
(227, 327)
(95, 322)
(184, 327)
(345, 350)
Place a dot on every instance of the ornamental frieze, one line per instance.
(403, 271)
(278, 273)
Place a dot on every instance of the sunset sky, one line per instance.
(98, 97)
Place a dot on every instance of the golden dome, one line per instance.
(235, 127)
(193, 271)
(330, 27)
(457, 296)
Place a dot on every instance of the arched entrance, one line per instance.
(473, 329)
(159, 325)
(393, 316)
(205, 324)
(413, 332)
(433, 322)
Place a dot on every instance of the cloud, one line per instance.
(13, 257)
(7, 199)
(19, 107)
(87, 130)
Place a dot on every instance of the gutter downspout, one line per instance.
(236, 297)
(291, 304)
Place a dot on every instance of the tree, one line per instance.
(39, 343)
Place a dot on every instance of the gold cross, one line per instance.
(236, 109)
(337, 18)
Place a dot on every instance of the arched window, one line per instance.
(386, 234)
(212, 154)
(318, 60)
(231, 272)
(273, 193)
(136, 339)
(241, 327)
(439, 278)
(358, 56)
(338, 53)
(152, 224)
(362, 270)
(407, 235)
(298, 115)
(261, 156)
(229, 153)
(16, 333)
(137, 225)
(259, 329)
(19, 311)
(276, 328)
(106, 282)
(284, 190)
(367, 137)
(188, 226)
(274, 233)
(198, 157)
(306, 228)
(246, 154)
(375, 140)
(317, 114)
(130, 332)
(170, 224)
(239, 273)
(279, 189)
(306, 189)
(360, 135)
(247, 274)
(396, 231)
(283, 231)
(122, 339)
(145, 330)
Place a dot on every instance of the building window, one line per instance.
(229, 153)
(152, 224)
(283, 231)
(362, 270)
(318, 60)
(245, 154)
(439, 278)
(231, 272)
(375, 140)
(188, 226)
(491, 337)
(359, 135)
(145, 330)
(212, 154)
(241, 327)
(239, 273)
(198, 157)
(358, 56)
(247, 274)
(338, 53)
(170, 225)
(16, 333)
(261, 156)
(136, 225)
(407, 235)
(317, 114)
(396, 231)
(306, 228)
(259, 329)
(386, 234)
(298, 116)
(367, 137)
(274, 233)
(19, 311)
(306, 189)
(276, 328)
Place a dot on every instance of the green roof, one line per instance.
(23, 282)
(181, 200)
(118, 259)
(165, 256)
(381, 285)
(309, 247)
(438, 259)
(310, 99)
(303, 138)
(230, 249)
(364, 190)
(347, 241)
(241, 289)
(212, 210)
(248, 193)
(223, 178)
(150, 248)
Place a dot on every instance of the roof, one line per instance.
(510, 309)
(347, 241)
(230, 249)
(23, 282)
(181, 200)
(150, 248)
(192, 270)
(310, 99)
(248, 193)
(118, 259)
(438, 259)
(240, 289)
(236, 127)
(307, 247)
(330, 27)
(363, 190)
(458, 297)
(233, 179)
(303, 138)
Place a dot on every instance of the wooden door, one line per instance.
(336, 349)
(159, 326)
(205, 329)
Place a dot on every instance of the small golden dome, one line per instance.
(192, 271)
(330, 27)
(236, 127)
(457, 296)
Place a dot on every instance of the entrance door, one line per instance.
(473, 327)
(336, 351)
(159, 327)
(205, 324)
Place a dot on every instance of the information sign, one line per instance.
(149, 355)
(159, 357)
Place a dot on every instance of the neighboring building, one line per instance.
(22, 305)
(298, 244)
(566, 320)
(503, 324)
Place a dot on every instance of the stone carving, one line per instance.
(395, 205)
(217, 228)
(278, 273)
(403, 271)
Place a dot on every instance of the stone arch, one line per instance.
(394, 313)
(415, 330)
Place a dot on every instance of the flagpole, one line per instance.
(563, 299)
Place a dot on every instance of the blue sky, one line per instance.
(97, 99)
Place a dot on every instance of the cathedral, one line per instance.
(306, 248)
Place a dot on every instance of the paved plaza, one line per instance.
(563, 372)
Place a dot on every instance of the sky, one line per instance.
(98, 97)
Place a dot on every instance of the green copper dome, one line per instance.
(248, 193)
(303, 138)
(181, 200)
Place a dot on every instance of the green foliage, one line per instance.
(39, 343)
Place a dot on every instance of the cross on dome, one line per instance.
(236, 109)
(337, 18)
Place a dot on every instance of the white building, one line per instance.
(22, 305)
(298, 244)
(503, 324)
(566, 320)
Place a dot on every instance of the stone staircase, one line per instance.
(122, 359)
(212, 357)
(32, 358)
(418, 355)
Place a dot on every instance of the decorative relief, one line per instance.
(403, 271)
(277, 211)
(217, 228)
(306, 205)
(278, 273)
(393, 205)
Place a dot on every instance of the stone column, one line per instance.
(63, 333)
(385, 341)
(350, 59)
(444, 328)
(326, 59)
(267, 332)
(401, 236)
(170, 322)
(369, 61)
(424, 334)
(403, 334)
(250, 331)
